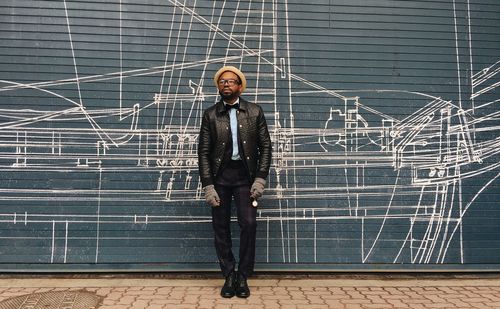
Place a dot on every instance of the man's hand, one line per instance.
(257, 188)
(211, 196)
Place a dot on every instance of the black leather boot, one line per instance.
(227, 290)
(242, 290)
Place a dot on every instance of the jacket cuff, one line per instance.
(262, 175)
(206, 182)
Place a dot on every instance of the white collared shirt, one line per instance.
(234, 130)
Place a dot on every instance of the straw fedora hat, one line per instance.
(236, 71)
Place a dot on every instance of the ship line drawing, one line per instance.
(397, 182)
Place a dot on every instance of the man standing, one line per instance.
(234, 156)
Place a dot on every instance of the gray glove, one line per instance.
(257, 188)
(211, 196)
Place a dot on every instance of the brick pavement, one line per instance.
(274, 293)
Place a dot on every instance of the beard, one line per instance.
(228, 95)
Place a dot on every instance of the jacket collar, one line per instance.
(222, 109)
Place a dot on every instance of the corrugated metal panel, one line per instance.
(383, 115)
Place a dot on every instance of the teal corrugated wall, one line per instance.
(384, 118)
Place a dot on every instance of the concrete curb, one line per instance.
(99, 283)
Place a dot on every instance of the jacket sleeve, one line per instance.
(204, 144)
(265, 146)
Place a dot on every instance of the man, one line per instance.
(234, 156)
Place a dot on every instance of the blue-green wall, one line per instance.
(383, 114)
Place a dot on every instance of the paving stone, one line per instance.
(355, 301)
(334, 297)
(293, 302)
(479, 305)
(474, 300)
(438, 305)
(140, 304)
(377, 299)
(458, 303)
(398, 303)
(153, 306)
(165, 301)
(180, 306)
(492, 297)
(259, 306)
(316, 300)
(126, 299)
(375, 306)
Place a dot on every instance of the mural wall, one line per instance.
(384, 119)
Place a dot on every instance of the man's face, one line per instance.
(229, 86)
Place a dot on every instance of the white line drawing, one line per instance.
(397, 182)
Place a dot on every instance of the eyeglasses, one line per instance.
(230, 82)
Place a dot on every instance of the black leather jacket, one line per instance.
(215, 134)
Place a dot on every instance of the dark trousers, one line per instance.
(221, 222)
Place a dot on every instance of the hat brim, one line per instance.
(234, 70)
